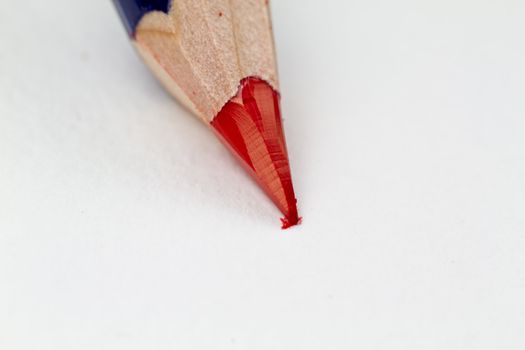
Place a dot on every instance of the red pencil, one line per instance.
(217, 58)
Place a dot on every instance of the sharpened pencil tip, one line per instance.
(250, 125)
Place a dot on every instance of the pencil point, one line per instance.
(250, 125)
(290, 222)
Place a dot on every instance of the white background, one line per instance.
(124, 224)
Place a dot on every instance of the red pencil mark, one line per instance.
(250, 125)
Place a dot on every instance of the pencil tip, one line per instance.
(250, 125)
(291, 221)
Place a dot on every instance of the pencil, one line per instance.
(217, 58)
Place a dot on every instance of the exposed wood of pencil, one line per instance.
(201, 50)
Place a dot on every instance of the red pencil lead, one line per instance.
(250, 125)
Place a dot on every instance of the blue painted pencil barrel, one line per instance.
(131, 11)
